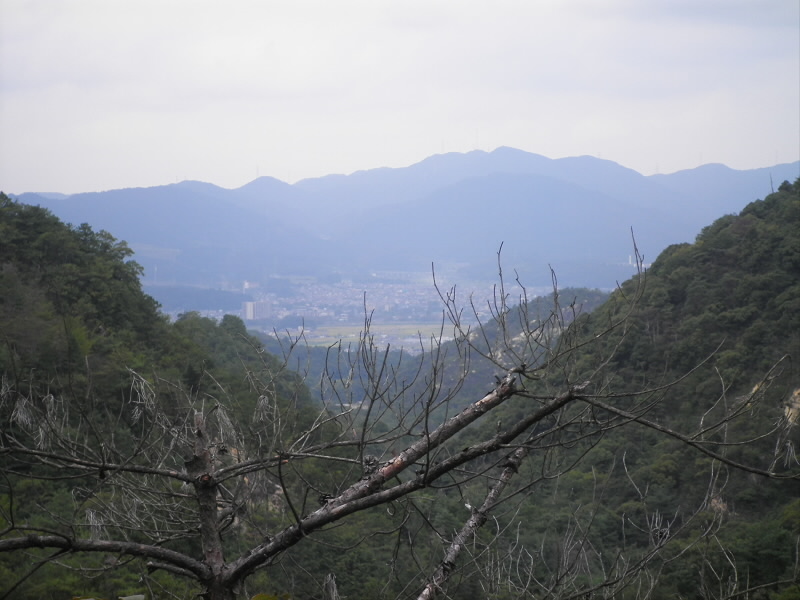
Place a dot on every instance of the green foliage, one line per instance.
(730, 303)
(73, 320)
(73, 323)
(737, 288)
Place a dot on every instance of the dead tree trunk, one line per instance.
(475, 522)
(202, 471)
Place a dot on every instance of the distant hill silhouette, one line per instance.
(575, 214)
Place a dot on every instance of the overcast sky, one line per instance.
(104, 94)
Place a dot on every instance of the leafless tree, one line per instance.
(188, 475)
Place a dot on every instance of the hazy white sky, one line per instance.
(103, 94)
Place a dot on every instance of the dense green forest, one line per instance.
(722, 315)
(74, 326)
(713, 327)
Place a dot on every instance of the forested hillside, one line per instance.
(721, 318)
(648, 445)
(737, 287)
(715, 330)
(77, 332)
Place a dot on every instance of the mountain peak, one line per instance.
(264, 182)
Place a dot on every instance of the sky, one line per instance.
(107, 94)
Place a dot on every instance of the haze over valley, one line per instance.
(400, 300)
(322, 250)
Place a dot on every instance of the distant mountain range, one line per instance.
(453, 210)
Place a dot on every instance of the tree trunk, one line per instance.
(201, 468)
(216, 590)
(475, 522)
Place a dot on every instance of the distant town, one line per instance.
(400, 306)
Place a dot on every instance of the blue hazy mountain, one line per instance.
(541, 221)
(575, 214)
(192, 232)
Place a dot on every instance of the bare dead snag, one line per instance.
(368, 491)
(475, 522)
(201, 470)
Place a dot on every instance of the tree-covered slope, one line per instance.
(714, 329)
(72, 305)
(733, 293)
(79, 340)
(719, 320)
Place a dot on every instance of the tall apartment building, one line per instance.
(255, 311)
